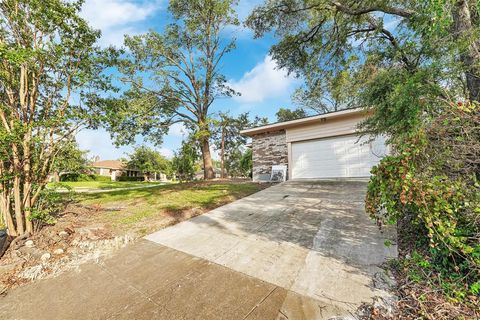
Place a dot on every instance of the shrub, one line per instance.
(125, 178)
(433, 177)
(84, 177)
(50, 203)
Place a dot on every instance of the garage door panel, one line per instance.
(345, 156)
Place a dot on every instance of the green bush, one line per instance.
(84, 177)
(50, 203)
(125, 178)
(433, 177)
(97, 177)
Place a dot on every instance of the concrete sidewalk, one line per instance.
(299, 250)
(150, 281)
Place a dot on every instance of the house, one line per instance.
(117, 168)
(321, 146)
(114, 169)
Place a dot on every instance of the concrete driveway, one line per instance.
(299, 250)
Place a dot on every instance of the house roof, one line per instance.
(300, 122)
(109, 164)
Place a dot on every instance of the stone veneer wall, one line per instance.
(268, 149)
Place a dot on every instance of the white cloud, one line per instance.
(116, 18)
(264, 81)
(245, 8)
(166, 152)
(177, 130)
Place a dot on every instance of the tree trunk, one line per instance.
(6, 213)
(208, 172)
(470, 54)
(17, 198)
(222, 156)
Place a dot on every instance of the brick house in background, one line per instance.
(114, 169)
(117, 168)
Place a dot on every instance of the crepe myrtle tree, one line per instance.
(47, 56)
(174, 76)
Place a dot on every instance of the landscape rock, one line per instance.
(29, 244)
(63, 234)
(45, 257)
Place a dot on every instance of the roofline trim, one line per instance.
(292, 123)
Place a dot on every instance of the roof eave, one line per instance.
(299, 122)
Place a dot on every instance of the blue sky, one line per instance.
(248, 68)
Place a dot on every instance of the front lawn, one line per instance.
(141, 211)
(101, 184)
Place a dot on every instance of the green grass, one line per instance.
(148, 209)
(102, 184)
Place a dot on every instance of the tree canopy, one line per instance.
(175, 76)
(339, 46)
(285, 114)
(148, 161)
(184, 161)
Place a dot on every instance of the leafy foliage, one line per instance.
(246, 163)
(70, 159)
(184, 162)
(335, 45)
(284, 114)
(231, 143)
(433, 176)
(148, 161)
(49, 205)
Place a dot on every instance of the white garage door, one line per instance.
(336, 157)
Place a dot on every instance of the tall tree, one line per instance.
(285, 114)
(227, 137)
(230, 142)
(48, 54)
(174, 77)
(320, 39)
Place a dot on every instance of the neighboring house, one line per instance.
(114, 169)
(117, 168)
(322, 146)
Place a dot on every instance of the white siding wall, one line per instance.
(328, 128)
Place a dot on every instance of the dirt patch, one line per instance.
(72, 241)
